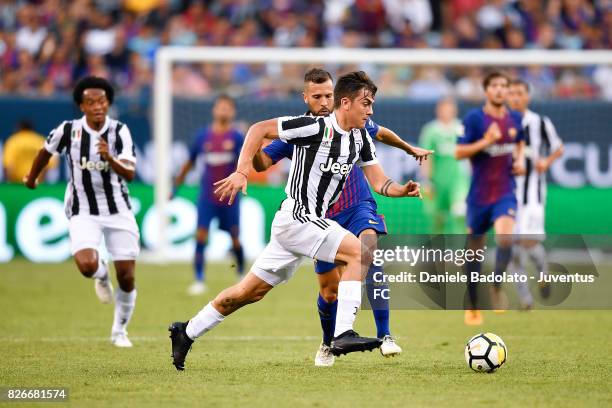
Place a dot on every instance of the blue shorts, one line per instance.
(228, 215)
(482, 217)
(356, 219)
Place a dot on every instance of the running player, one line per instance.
(445, 179)
(542, 147)
(326, 149)
(355, 210)
(219, 145)
(101, 158)
(493, 141)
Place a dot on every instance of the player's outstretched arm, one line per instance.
(237, 181)
(383, 185)
(38, 165)
(124, 168)
(180, 178)
(390, 138)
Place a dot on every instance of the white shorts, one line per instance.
(291, 241)
(120, 234)
(530, 222)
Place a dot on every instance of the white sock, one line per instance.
(124, 307)
(207, 319)
(537, 253)
(518, 266)
(102, 272)
(349, 302)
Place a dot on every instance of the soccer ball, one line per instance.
(485, 352)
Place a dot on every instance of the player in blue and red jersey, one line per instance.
(493, 140)
(219, 145)
(355, 210)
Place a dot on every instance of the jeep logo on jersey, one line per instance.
(335, 167)
(92, 165)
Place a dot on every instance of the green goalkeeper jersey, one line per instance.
(447, 171)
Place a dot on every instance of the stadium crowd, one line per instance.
(46, 45)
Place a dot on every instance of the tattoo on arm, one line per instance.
(385, 188)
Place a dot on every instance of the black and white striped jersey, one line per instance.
(323, 156)
(541, 139)
(94, 188)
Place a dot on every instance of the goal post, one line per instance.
(166, 57)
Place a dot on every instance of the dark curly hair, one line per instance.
(92, 82)
(349, 85)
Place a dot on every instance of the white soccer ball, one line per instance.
(485, 352)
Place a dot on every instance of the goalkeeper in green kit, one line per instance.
(446, 180)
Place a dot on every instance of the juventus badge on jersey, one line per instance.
(328, 136)
(76, 134)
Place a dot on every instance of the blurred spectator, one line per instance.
(20, 149)
(469, 87)
(490, 17)
(429, 84)
(100, 40)
(541, 80)
(417, 13)
(31, 34)
(467, 33)
(603, 77)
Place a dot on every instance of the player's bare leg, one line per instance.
(356, 259)
(504, 228)
(473, 316)
(91, 266)
(125, 301)
(198, 286)
(250, 289)
(380, 307)
(237, 250)
(534, 250)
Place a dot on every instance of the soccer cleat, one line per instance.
(350, 341)
(324, 357)
(389, 348)
(472, 318)
(499, 300)
(120, 340)
(196, 288)
(104, 288)
(181, 344)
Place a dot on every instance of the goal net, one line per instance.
(568, 86)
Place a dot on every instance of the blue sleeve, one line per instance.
(196, 146)
(471, 129)
(372, 128)
(278, 150)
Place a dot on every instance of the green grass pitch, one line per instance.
(55, 333)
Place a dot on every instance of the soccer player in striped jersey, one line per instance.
(493, 140)
(542, 147)
(101, 158)
(219, 145)
(355, 210)
(326, 149)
